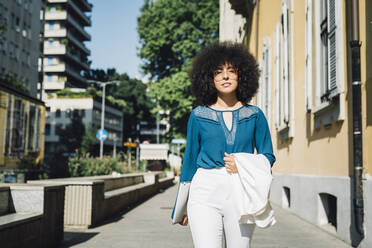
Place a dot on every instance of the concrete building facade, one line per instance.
(305, 92)
(19, 43)
(60, 112)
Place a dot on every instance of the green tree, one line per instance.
(71, 136)
(138, 104)
(171, 33)
(130, 91)
(89, 140)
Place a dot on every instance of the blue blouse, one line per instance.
(208, 138)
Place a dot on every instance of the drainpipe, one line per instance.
(257, 19)
(357, 119)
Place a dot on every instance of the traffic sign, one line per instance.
(178, 141)
(101, 134)
(130, 144)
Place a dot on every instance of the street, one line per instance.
(148, 225)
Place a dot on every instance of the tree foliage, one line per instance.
(130, 91)
(171, 33)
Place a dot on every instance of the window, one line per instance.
(12, 21)
(17, 24)
(47, 129)
(50, 61)
(325, 61)
(264, 92)
(51, 25)
(51, 41)
(52, 9)
(50, 78)
(58, 113)
(284, 110)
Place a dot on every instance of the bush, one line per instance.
(88, 166)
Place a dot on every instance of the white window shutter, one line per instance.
(332, 49)
(277, 75)
(260, 83)
(285, 63)
(267, 82)
(309, 25)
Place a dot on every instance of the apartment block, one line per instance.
(307, 83)
(65, 54)
(19, 41)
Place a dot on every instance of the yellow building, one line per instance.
(22, 121)
(303, 49)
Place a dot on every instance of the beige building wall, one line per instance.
(11, 155)
(366, 71)
(315, 151)
(315, 154)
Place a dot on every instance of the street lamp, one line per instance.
(103, 85)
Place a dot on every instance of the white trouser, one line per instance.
(211, 211)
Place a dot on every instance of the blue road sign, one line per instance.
(178, 141)
(101, 134)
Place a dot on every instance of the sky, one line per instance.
(114, 37)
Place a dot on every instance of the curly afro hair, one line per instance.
(216, 55)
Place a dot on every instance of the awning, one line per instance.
(154, 151)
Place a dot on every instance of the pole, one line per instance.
(114, 152)
(102, 120)
(357, 119)
(157, 128)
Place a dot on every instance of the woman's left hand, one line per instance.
(230, 163)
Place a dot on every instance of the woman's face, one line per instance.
(226, 79)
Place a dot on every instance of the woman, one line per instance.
(224, 79)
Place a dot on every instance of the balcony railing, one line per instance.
(55, 33)
(80, 13)
(77, 43)
(77, 60)
(56, 15)
(55, 68)
(71, 72)
(78, 27)
(54, 50)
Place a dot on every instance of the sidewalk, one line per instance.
(148, 226)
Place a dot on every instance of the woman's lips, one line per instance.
(226, 84)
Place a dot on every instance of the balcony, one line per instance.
(77, 43)
(54, 33)
(87, 7)
(55, 68)
(56, 85)
(77, 60)
(54, 50)
(75, 75)
(80, 13)
(56, 15)
(78, 27)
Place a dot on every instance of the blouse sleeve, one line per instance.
(192, 149)
(263, 139)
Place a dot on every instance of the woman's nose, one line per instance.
(225, 74)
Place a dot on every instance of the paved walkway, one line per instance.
(148, 226)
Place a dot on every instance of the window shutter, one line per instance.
(309, 54)
(332, 55)
(277, 75)
(267, 82)
(285, 62)
(260, 88)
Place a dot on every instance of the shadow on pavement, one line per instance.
(74, 238)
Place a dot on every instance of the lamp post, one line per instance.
(103, 85)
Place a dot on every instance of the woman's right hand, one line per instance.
(184, 221)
